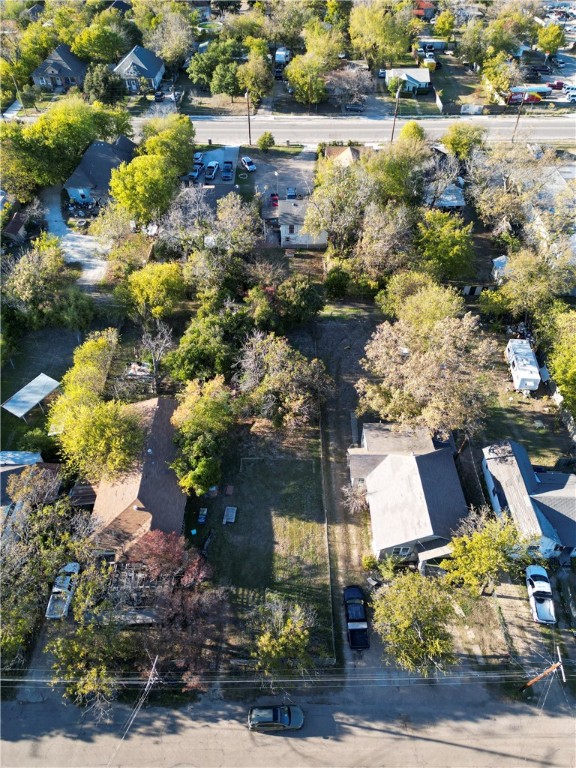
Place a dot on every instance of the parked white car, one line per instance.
(62, 591)
(540, 595)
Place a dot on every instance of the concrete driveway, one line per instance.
(79, 248)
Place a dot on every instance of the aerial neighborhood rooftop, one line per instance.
(289, 382)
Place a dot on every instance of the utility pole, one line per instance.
(247, 97)
(395, 112)
(519, 113)
(549, 670)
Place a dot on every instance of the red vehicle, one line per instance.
(274, 200)
(523, 98)
(556, 85)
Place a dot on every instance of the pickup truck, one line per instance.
(356, 618)
(227, 170)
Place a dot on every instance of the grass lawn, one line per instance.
(532, 421)
(278, 542)
(46, 351)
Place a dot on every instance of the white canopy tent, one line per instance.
(31, 395)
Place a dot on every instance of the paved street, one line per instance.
(368, 723)
(312, 130)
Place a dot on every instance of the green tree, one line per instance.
(473, 42)
(401, 287)
(202, 66)
(551, 38)
(412, 618)
(171, 137)
(462, 138)
(278, 382)
(337, 204)
(255, 76)
(338, 13)
(89, 658)
(431, 305)
(501, 72)
(381, 36)
(299, 299)
(203, 421)
(225, 80)
(324, 42)
(412, 131)
(172, 38)
(144, 187)
(478, 556)
(444, 24)
(562, 357)
(57, 140)
(282, 636)
(110, 122)
(101, 440)
(531, 282)
(305, 75)
(100, 43)
(152, 292)
(265, 141)
(445, 245)
(210, 343)
(435, 380)
(397, 171)
(101, 84)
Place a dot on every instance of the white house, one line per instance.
(414, 79)
(541, 504)
(291, 215)
(413, 492)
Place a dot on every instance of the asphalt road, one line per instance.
(312, 130)
(366, 724)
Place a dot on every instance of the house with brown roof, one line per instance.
(149, 497)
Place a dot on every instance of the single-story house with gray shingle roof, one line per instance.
(291, 215)
(148, 498)
(140, 64)
(60, 69)
(414, 79)
(90, 180)
(541, 504)
(412, 489)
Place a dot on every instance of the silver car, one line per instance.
(540, 595)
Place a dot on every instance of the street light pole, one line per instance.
(395, 112)
(247, 97)
(276, 174)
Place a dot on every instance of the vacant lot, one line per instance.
(458, 84)
(278, 542)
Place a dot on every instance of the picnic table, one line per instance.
(229, 515)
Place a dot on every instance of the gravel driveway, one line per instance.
(83, 249)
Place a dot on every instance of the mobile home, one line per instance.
(523, 365)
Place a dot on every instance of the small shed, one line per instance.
(15, 230)
(523, 365)
(31, 395)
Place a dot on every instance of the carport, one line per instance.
(30, 396)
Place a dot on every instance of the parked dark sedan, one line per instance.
(278, 717)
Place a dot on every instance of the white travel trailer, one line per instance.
(523, 365)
